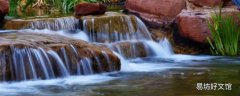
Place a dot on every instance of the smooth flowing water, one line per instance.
(159, 72)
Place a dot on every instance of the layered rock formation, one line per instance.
(65, 56)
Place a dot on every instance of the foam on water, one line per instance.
(130, 66)
(183, 57)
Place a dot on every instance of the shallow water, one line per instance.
(153, 76)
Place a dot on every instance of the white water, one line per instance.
(77, 34)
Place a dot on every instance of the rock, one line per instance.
(209, 3)
(116, 22)
(71, 53)
(113, 26)
(84, 9)
(193, 25)
(156, 13)
(4, 8)
(135, 49)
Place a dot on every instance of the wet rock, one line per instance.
(113, 26)
(71, 52)
(131, 49)
(84, 9)
(158, 34)
(193, 24)
(4, 8)
(109, 22)
(156, 13)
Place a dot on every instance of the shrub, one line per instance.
(64, 6)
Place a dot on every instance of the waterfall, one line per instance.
(119, 28)
(63, 23)
(127, 37)
(132, 40)
(39, 64)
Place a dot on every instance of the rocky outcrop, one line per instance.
(35, 48)
(156, 13)
(4, 8)
(194, 24)
(84, 9)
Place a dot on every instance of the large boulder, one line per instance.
(193, 24)
(22, 54)
(156, 13)
(4, 8)
(83, 9)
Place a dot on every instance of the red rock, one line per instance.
(210, 3)
(156, 11)
(4, 8)
(83, 9)
(193, 25)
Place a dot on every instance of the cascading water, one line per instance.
(128, 37)
(115, 28)
(65, 68)
(37, 64)
(64, 23)
(133, 40)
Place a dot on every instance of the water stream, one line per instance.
(149, 68)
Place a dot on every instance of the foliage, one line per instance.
(64, 6)
(13, 6)
(225, 35)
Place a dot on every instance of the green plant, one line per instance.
(13, 7)
(64, 6)
(225, 35)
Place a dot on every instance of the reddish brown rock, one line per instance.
(193, 25)
(83, 9)
(210, 3)
(156, 12)
(4, 8)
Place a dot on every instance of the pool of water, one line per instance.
(152, 76)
